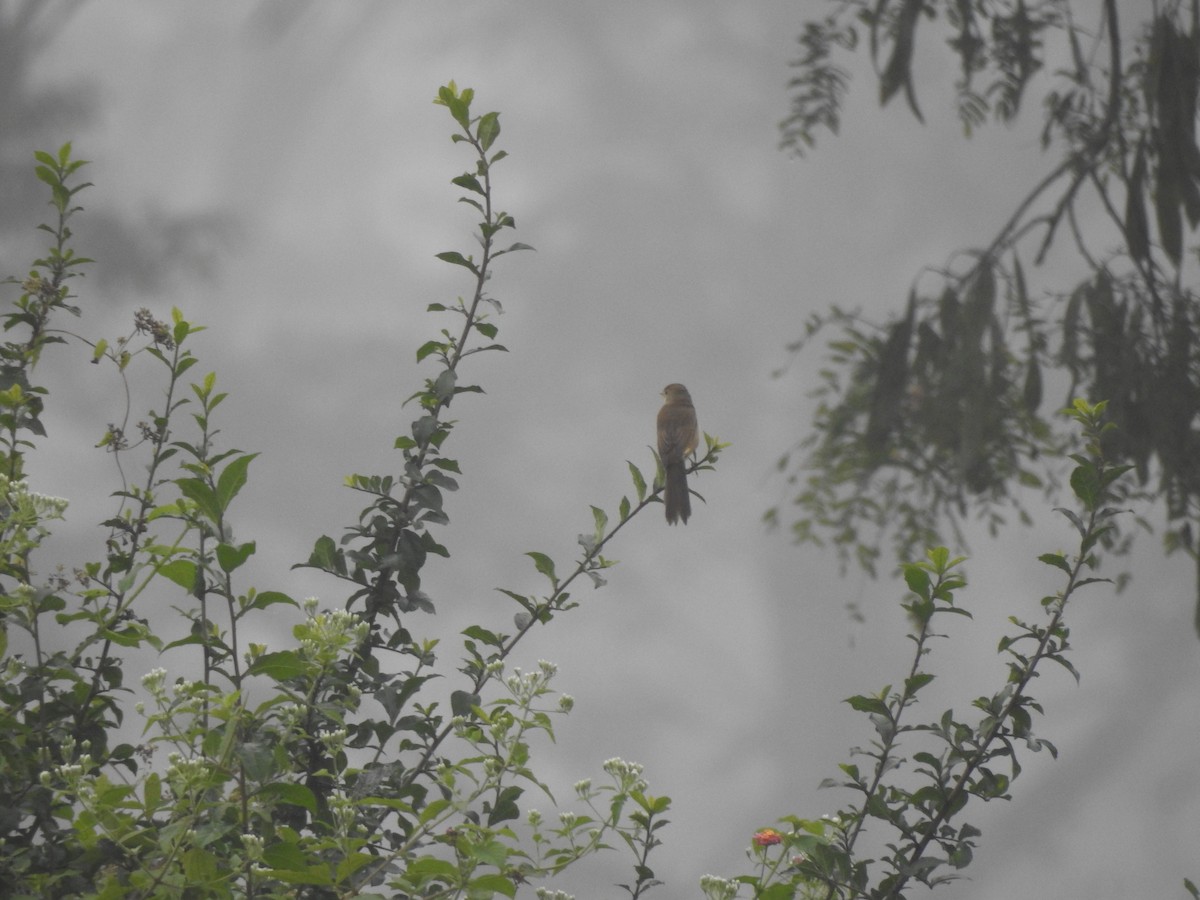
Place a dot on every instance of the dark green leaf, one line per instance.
(1085, 482)
(202, 495)
(1137, 228)
(1057, 560)
(430, 347)
(230, 557)
(279, 666)
(482, 634)
(505, 807)
(231, 480)
(263, 599)
(468, 181)
(863, 703)
(914, 683)
(917, 580)
(326, 555)
(898, 72)
(456, 258)
(461, 703)
(443, 388)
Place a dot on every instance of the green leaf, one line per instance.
(505, 808)
(600, 517)
(264, 599)
(152, 792)
(914, 683)
(544, 564)
(199, 866)
(781, 890)
(125, 637)
(47, 175)
(202, 495)
(181, 329)
(1137, 228)
(348, 865)
(1167, 207)
(527, 602)
(487, 885)
(325, 555)
(230, 557)
(1085, 482)
(1073, 518)
(482, 634)
(898, 72)
(279, 666)
(459, 109)
(472, 202)
(489, 129)
(430, 347)
(1057, 560)
(231, 480)
(461, 703)
(863, 703)
(448, 465)
(285, 855)
(295, 794)
(917, 580)
(639, 482)
(180, 571)
(456, 258)
(468, 181)
(443, 388)
(427, 868)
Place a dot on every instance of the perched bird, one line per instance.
(677, 436)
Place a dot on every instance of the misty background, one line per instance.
(278, 171)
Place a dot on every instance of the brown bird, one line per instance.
(677, 436)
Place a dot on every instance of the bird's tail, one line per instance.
(676, 497)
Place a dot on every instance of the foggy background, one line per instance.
(277, 171)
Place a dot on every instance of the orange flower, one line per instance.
(768, 837)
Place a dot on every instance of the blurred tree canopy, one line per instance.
(941, 413)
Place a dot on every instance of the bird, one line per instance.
(677, 436)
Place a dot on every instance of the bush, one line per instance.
(322, 768)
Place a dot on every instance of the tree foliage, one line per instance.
(359, 755)
(939, 413)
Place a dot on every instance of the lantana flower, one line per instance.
(768, 837)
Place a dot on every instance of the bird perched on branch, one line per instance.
(677, 437)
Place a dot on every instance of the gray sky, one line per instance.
(283, 178)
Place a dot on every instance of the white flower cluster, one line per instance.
(718, 888)
(627, 775)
